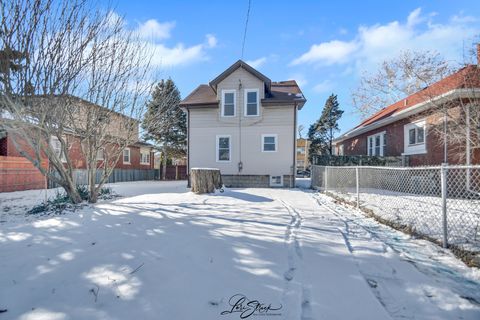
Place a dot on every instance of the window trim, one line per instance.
(103, 155)
(263, 141)
(416, 148)
(276, 184)
(372, 146)
(222, 111)
(129, 156)
(147, 153)
(217, 148)
(62, 156)
(245, 102)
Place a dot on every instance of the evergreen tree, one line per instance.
(321, 133)
(164, 122)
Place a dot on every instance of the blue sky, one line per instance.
(324, 45)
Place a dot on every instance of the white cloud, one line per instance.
(154, 30)
(375, 43)
(153, 34)
(257, 63)
(178, 55)
(414, 18)
(324, 86)
(327, 53)
(211, 41)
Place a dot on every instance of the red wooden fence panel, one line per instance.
(17, 174)
(176, 173)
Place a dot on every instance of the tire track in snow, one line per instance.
(295, 268)
(374, 280)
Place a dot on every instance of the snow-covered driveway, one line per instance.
(164, 253)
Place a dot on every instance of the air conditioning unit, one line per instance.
(276, 181)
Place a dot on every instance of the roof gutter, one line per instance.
(419, 107)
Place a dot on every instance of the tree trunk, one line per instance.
(205, 180)
(72, 192)
(93, 194)
(164, 165)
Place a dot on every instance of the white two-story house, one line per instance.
(245, 125)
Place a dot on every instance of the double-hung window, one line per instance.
(228, 103)
(126, 156)
(100, 154)
(301, 150)
(144, 157)
(269, 143)
(251, 102)
(57, 148)
(376, 144)
(415, 136)
(224, 148)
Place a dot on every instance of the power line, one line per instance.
(245, 31)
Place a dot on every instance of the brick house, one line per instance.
(412, 127)
(137, 156)
(302, 154)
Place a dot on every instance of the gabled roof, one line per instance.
(276, 93)
(235, 66)
(203, 95)
(466, 77)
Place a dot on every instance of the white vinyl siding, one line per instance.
(224, 148)
(251, 103)
(246, 144)
(229, 98)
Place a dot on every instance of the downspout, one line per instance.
(240, 163)
(188, 149)
(292, 176)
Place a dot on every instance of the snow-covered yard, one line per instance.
(423, 213)
(161, 252)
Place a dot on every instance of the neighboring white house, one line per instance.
(245, 125)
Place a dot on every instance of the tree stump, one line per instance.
(205, 180)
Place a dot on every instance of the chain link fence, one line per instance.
(439, 203)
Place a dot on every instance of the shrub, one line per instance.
(61, 201)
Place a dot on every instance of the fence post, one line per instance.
(357, 183)
(443, 171)
(326, 179)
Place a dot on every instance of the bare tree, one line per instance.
(117, 86)
(409, 72)
(56, 56)
(452, 105)
(300, 130)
